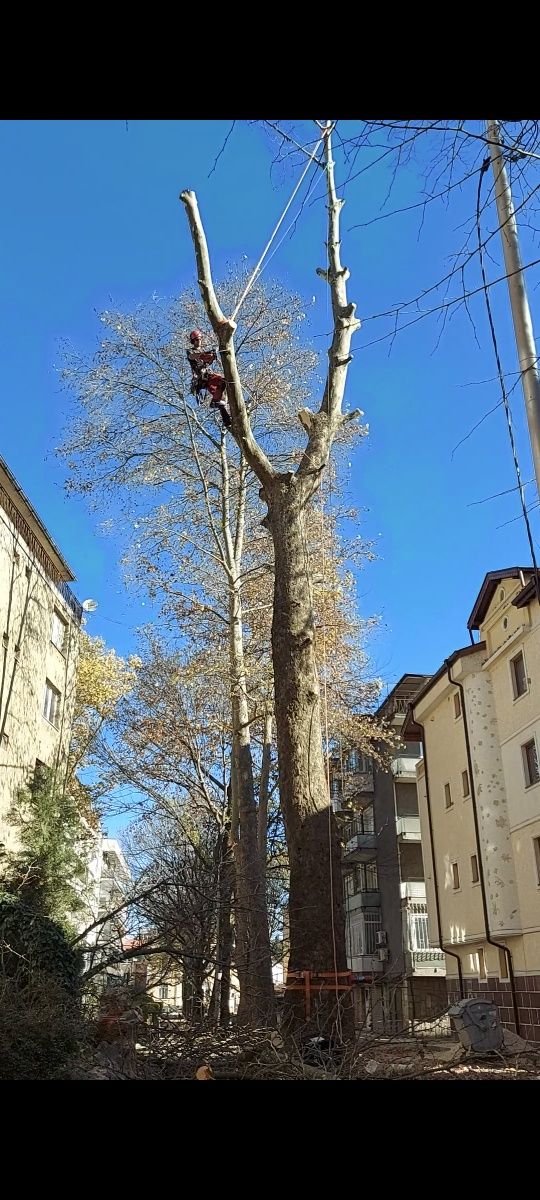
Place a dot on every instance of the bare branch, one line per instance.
(224, 330)
(218, 156)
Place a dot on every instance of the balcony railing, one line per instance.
(413, 889)
(362, 823)
(71, 600)
(404, 767)
(399, 705)
(365, 964)
(366, 899)
(427, 962)
(408, 828)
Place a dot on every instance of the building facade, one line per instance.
(399, 976)
(40, 621)
(479, 796)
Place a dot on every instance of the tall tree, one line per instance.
(317, 928)
(197, 541)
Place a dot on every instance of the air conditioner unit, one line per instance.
(382, 955)
(381, 938)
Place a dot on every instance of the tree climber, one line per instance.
(206, 380)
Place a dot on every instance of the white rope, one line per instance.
(255, 272)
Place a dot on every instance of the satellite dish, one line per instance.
(90, 605)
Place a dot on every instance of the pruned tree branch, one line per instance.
(224, 331)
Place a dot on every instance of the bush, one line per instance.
(39, 994)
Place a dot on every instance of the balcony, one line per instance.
(351, 787)
(360, 838)
(425, 962)
(366, 899)
(397, 709)
(408, 829)
(413, 889)
(70, 599)
(404, 768)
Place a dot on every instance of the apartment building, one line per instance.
(40, 620)
(399, 976)
(478, 718)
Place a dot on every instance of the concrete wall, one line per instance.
(508, 812)
(28, 600)
(388, 868)
(453, 828)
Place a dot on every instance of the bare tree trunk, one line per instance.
(316, 916)
(193, 994)
(262, 822)
(253, 954)
(226, 941)
(220, 999)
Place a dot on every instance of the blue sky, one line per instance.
(90, 217)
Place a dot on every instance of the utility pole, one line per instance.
(518, 296)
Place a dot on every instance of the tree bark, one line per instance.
(193, 994)
(253, 954)
(316, 916)
(262, 819)
(225, 943)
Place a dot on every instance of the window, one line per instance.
(58, 632)
(372, 880)
(362, 932)
(457, 704)
(474, 869)
(164, 991)
(519, 676)
(447, 795)
(455, 876)
(503, 965)
(372, 924)
(536, 846)
(481, 964)
(51, 708)
(465, 783)
(360, 763)
(530, 763)
(418, 928)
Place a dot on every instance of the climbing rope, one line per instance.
(257, 268)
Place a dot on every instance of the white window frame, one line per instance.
(529, 783)
(52, 704)
(362, 930)
(456, 888)
(58, 621)
(518, 696)
(418, 928)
